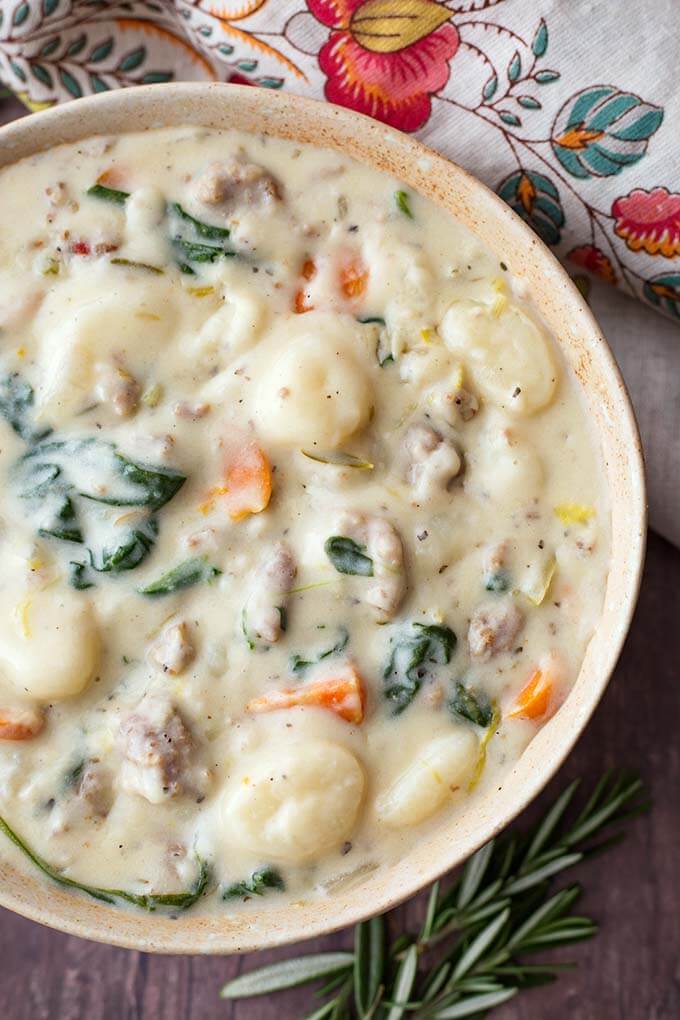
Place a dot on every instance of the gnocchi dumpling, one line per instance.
(75, 335)
(296, 804)
(438, 770)
(505, 467)
(49, 643)
(316, 393)
(507, 354)
(235, 326)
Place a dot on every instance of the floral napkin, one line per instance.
(562, 107)
(567, 108)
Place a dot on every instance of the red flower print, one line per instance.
(386, 58)
(649, 221)
(595, 261)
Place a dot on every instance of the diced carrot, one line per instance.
(353, 279)
(81, 248)
(534, 699)
(342, 693)
(300, 303)
(248, 482)
(115, 177)
(20, 723)
(308, 269)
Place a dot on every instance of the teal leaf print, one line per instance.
(49, 7)
(514, 67)
(133, 59)
(270, 83)
(489, 90)
(247, 65)
(535, 198)
(225, 49)
(154, 77)
(50, 46)
(76, 46)
(540, 41)
(529, 103)
(546, 77)
(20, 14)
(664, 292)
(70, 83)
(97, 84)
(19, 71)
(101, 52)
(601, 130)
(42, 74)
(510, 118)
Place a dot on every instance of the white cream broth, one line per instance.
(221, 409)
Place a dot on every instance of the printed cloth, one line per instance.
(566, 108)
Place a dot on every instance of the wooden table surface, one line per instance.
(630, 971)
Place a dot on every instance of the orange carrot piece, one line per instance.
(343, 693)
(248, 482)
(533, 700)
(114, 177)
(20, 723)
(300, 303)
(353, 279)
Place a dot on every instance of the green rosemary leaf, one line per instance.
(286, 974)
(551, 820)
(533, 878)
(430, 913)
(369, 957)
(557, 904)
(473, 873)
(436, 981)
(403, 983)
(605, 814)
(479, 944)
(475, 1005)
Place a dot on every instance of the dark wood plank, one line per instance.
(629, 972)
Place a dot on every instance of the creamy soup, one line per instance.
(304, 526)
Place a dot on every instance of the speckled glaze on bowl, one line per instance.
(264, 923)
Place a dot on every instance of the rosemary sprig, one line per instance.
(469, 955)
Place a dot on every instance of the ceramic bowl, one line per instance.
(604, 396)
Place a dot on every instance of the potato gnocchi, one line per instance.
(304, 526)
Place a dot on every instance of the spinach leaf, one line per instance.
(202, 229)
(71, 487)
(403, 203)
(371, 319)
(77, 576)
(497, 580)
(108, 194)
(184, 575)
(130, 550)
(146, 901)
(16, 407)
(194, 251)
(257, 885)
(297, 664)
(156, 485)
(411, 655)
(476, 709)
(347, 557)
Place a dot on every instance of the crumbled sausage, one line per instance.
(385, 589)
(89, 800)
(433, 462)
(173, 651)
(493, 629)
(236, 183)
(115, 386)
(191, 411)
(157, 747)
(264, 615)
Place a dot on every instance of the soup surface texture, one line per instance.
(304, 525)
